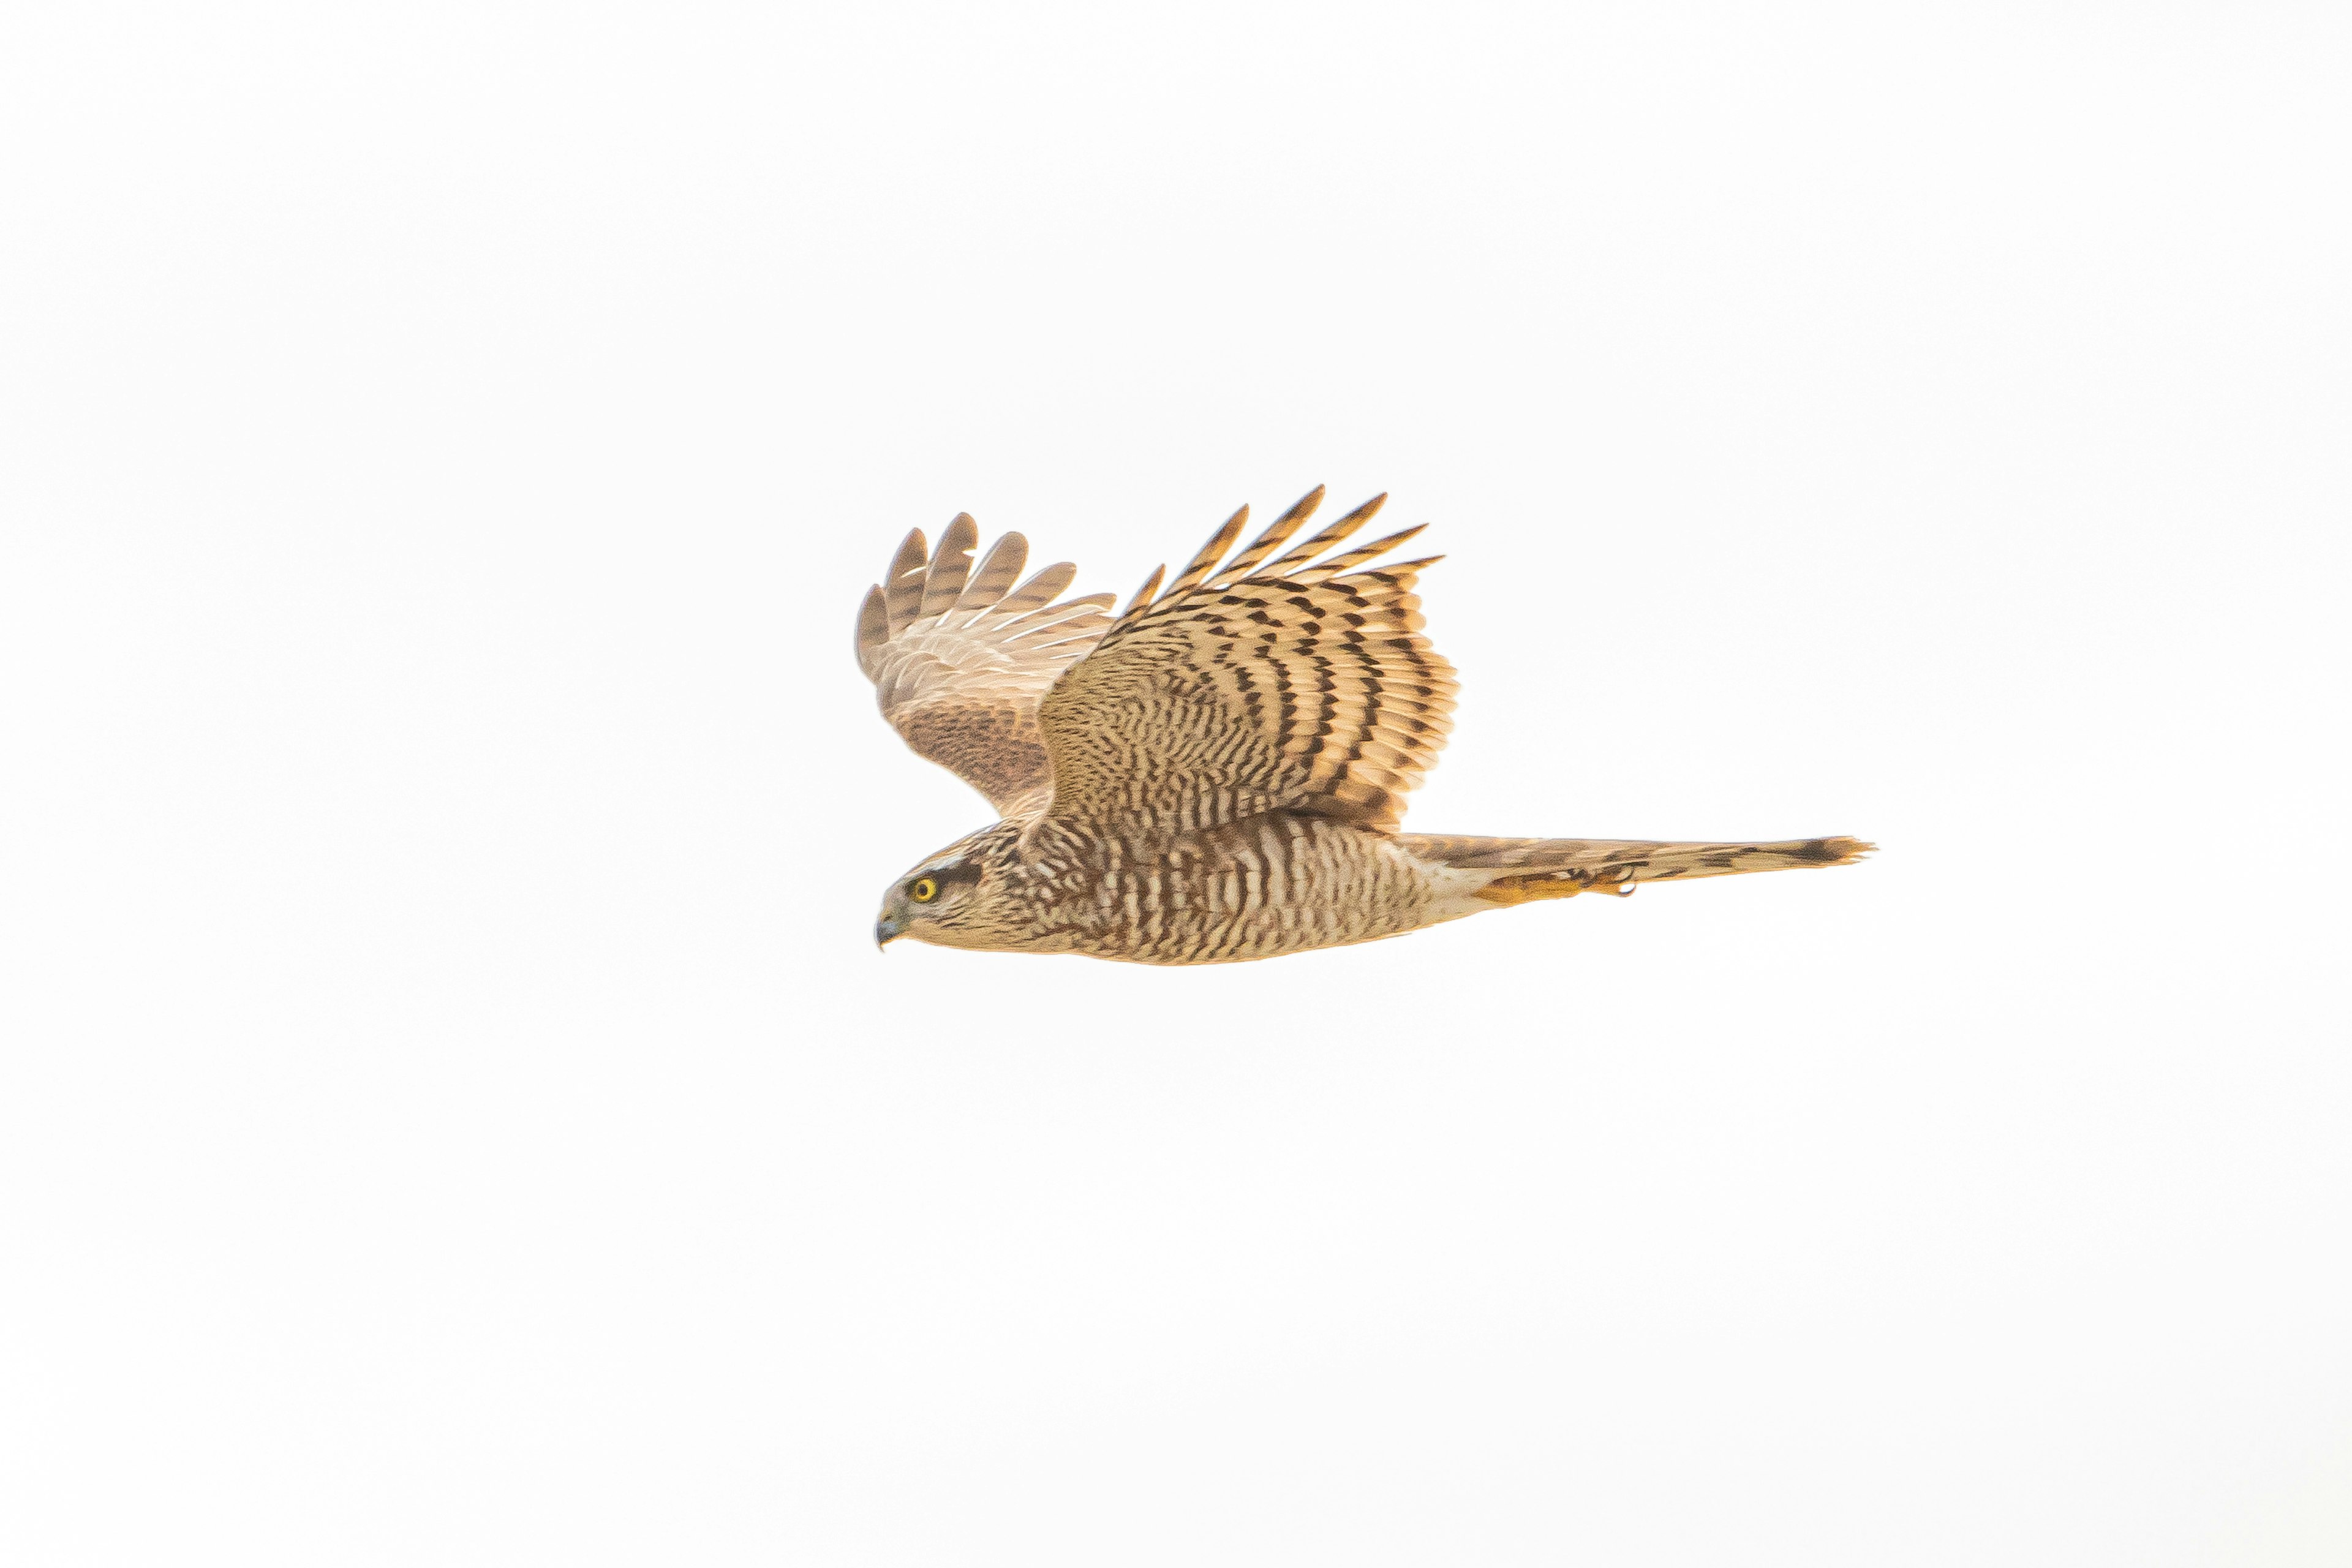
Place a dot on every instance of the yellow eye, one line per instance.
(923, 890)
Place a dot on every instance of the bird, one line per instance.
(1218, 772)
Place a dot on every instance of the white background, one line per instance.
(454, 1111)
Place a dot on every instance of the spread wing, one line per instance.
(959, 657)
(1299, 681)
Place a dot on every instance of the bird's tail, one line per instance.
(1527, 868)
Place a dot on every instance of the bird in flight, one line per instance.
(1219, 773)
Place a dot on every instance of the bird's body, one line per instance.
(1215, 776)
(1281, 882)
(1273, 883)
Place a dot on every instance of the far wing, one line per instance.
(1297, 682)
(959, 657)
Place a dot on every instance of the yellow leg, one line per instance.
(1527, 887)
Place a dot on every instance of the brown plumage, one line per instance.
(1216, 774)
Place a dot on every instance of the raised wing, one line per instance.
(959, 657)
(1299, 681)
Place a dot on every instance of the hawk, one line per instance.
(1216, 774)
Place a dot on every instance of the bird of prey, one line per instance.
(1216, 774)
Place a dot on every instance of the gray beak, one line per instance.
(884, 930)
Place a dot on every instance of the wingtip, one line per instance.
(1144, 595)
(873, 622)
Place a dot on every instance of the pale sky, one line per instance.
(452, 1110)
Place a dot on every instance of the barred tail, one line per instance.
(1527, 868)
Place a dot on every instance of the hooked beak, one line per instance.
(884, 930)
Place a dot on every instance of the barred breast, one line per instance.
(1268, 885)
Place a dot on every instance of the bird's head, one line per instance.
(955, 897)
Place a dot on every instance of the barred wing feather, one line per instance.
(1301, 683)
(959, 657)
